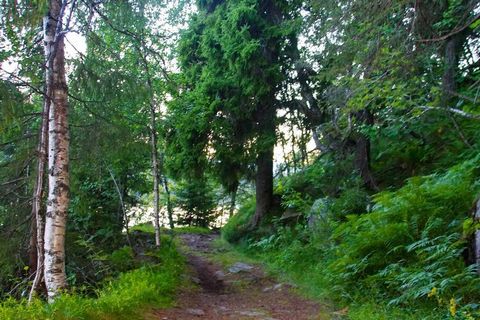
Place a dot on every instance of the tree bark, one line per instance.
(362, 151)
(122, 206)
(233, 201)
(451, 53)
(156, 176)
(264, 165)
(265, 116)
(38, 223)
(58, 161)
(153, 143)
(169, 203)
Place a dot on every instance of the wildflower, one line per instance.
(432, 292)
(453, 307)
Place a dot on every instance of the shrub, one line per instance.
(127, 297)
(407, 251)
(122, 259)
(237, 226)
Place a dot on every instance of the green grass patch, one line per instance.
(227, 255)
(129, 296)
(192, 230)
(148, 228)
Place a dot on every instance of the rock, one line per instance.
(239, 267)
(290, 213)
(266, 289)
(278, 286)
(319, 213)
(196, 312)
(195, 280)
(251, 313)
(220, 275)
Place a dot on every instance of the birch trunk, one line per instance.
(156, 176)
(58, 145)
(38, 196)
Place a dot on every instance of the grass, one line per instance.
(359, 306)
(148, 227)
(130, 296)
(227, 255)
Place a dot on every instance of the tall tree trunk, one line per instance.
(156, 176)
(265, 116)
(264, 165)
(450, 61)
(38, 222)
(153, 142)
(58, 143)
(362, 151)
(169, 202)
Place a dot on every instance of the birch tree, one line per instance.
(58, 146)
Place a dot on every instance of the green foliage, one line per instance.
(237, 226)
(122, 259)
(128, 297)
(196, 199)
(411, 243)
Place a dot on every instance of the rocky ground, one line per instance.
(236, 291)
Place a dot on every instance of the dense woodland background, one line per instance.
(340, 137)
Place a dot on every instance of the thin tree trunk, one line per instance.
(233, 201)
(156, 177)
(476, 237)
(37, 217)
(58, 161)
(155, 158)
(169, 203)
(122, 205)
(154, 146)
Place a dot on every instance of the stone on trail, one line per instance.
(278, 286)
(251, 313)
(196, 312)
(239, 267)
(220, 275)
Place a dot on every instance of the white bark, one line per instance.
(58, 144)
(38, 195)
(156, 176)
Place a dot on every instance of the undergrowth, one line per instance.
(404, 259)
(129, 296)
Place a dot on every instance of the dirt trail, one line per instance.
(241, 291)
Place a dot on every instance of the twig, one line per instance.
(452, 110)
(454, 32)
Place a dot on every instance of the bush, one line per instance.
(407, 251)
(127, 297)
(237, 226)
(122, 259)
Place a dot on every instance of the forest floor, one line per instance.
(221, 286)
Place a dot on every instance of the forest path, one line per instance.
(237, 291)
